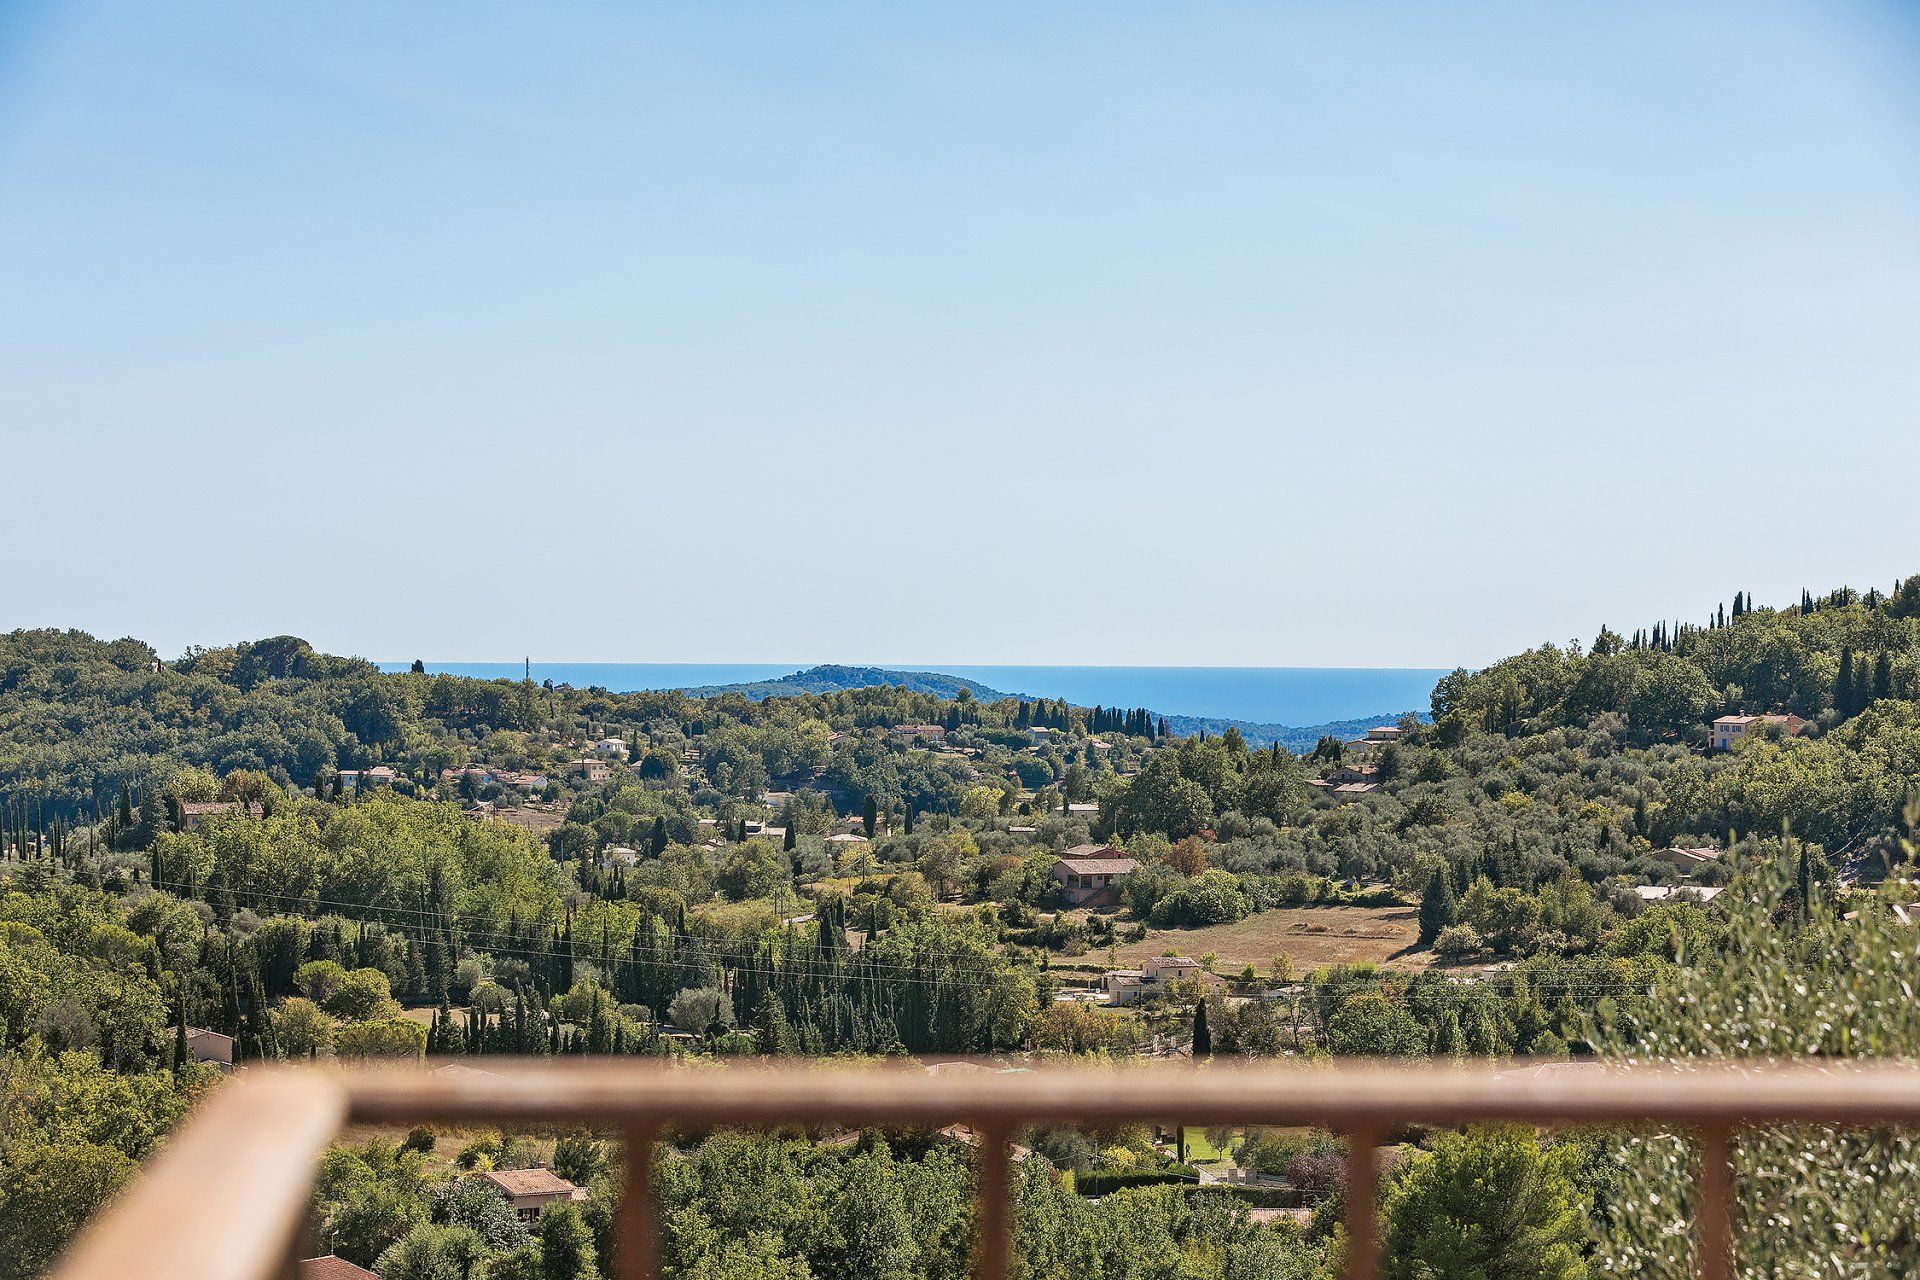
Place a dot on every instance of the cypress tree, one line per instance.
(180, 1026)
(1805, 879)
(1437, 907)
(1202, 1038)
(772, 1036)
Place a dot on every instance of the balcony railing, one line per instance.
(228, 1197)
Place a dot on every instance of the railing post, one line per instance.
(1713, 1223)
(992, 1205)
(304, 1244)
(1363, 1214)
(637, 1229)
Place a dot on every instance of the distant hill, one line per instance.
(833, 678)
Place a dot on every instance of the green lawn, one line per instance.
(1199, 1150)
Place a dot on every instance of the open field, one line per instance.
(538, 819)
(1311, 937)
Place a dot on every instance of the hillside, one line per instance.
(183, 842)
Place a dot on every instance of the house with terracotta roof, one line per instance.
(531, 1190)
(1091, 875)
(1730, 730)
(1686, 861)
(1349, 780)
(210, 1046)
(856, 825)
(1124, 986)
(193, 811)
(590, 770)
(331, 1268)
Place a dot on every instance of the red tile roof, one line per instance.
(332, 1268)
(531, 1182)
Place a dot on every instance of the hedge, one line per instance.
(1101, 1183)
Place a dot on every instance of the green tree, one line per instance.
(1374, 1026)
(301, 1029)
(1438, 909)
(47, 1189)
(430, 1251)
(1487, 1204)
(566, 1244)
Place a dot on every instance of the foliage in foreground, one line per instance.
(1794, 979)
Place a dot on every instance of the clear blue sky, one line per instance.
(1101, 332)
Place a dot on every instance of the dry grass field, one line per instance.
(1310, 937)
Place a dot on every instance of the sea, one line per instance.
(1263, 695)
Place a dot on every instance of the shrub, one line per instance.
(1457, 940)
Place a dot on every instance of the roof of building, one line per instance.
(530, 1182)
(1099, 866)
(1662, 892)
(205, 808)
(332, 1268)
(1091, 851)
(1680, 854)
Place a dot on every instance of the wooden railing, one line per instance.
(227, 1198)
